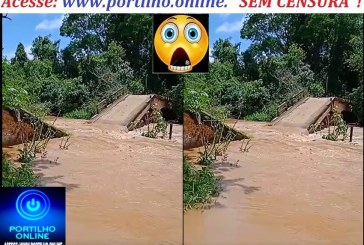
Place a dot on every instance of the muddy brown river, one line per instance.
(122, 188)
(290, 188)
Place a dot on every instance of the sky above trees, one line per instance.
(25, 28)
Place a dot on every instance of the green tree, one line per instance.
(20, 55)
(43, 48)
(355, 62)
(88, 33)
(325, 38)
(13, 93)
(225, 52)
(70, 63)
(92, 34)
(269, 32)
(108, 72)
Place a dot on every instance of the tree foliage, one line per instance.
(20, 55)
(106, 53)
(319, 53)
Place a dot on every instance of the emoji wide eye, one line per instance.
(192, 33)
(169, 33)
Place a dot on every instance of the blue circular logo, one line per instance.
(32, 205)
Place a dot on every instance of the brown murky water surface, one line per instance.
(122, 188)
(290, 188)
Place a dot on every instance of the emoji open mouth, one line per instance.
(180, 61)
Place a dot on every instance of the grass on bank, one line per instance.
(13, 176)
(200, 186)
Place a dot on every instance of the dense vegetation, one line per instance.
(106, 53)
(320, 53)
(200, 186)
(12, 176)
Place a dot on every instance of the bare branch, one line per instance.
(5, 16)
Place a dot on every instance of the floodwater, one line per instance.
(290, 188)
(122, 188)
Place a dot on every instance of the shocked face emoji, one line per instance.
(181, 42)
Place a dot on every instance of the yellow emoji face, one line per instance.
(181, 42)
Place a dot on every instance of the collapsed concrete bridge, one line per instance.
(132, 111)
(313, 113)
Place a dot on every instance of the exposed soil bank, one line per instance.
(195, 134)
(197, 131)
(121, 188)
(16, 127)
(290, 188)
(12, 130)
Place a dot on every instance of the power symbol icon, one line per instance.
(33, 205)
